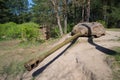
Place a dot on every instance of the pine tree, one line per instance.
(13, 10)
(4, 12)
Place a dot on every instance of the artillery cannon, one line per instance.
(82, 29)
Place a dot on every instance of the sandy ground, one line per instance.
(84, 60)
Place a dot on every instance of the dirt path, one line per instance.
(85, 60)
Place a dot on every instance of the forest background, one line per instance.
(22, 18)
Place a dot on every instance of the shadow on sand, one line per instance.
(39, 71)
(98, 47)
(101, 48)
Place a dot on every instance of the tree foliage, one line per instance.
(14, 10)
(61, 14)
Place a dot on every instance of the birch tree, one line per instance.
(56, 11)
(88, 10)
(65, 14)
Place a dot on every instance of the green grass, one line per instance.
(118, 39)
(113, 29)
(116, 64)
(117, 56)
(29, 44)
(13, 68)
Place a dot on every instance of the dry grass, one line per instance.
(14, 54)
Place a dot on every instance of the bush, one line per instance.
(114, 17)
(55, 32)
(13, 32)
(7, 30)
(103, 23)
(29, 31)
(26, 31)
(70, 27)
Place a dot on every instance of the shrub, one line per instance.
(29, 31)
(55, 32)
(1, 30)
(70, 27)
(13, 32)
(26, 31)
(103, 23)
(7, 30)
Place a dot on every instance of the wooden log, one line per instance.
(34, 62)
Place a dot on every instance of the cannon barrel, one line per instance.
(34, 62)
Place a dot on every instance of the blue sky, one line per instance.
(30, 2)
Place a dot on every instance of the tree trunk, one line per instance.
(56, 10)
(105, 11)
(59, 24)
(65, 24)
(88, 11)
(83, 10)
(65, 15)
